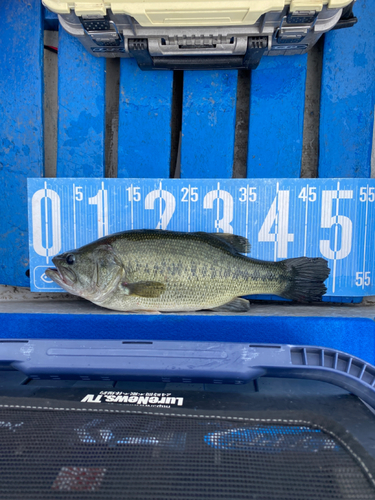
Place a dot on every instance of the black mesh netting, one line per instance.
(79, 454)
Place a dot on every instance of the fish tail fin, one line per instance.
(305, 279)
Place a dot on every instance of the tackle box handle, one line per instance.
(256, 46)
(175, 361)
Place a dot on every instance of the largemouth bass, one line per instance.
(152, 270)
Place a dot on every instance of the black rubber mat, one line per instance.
(73, 453)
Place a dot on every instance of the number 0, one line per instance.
(51, 220)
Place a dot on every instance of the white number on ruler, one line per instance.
(308, 194)
(328, 221)
(78, 193)
(367, 194)
(248, 193)
(101, 201)
(193, 192)
(223, 223)
(363, 279)
(53, 222)
(278, 214)
(170, 205)
(134, 193)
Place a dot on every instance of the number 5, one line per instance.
(78, 193)
(328, 220)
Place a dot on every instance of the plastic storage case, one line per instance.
(192, 35)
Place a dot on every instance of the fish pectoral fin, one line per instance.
(235, 305)
(150, 289)
(238, 243)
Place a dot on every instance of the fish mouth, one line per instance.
(63, 277)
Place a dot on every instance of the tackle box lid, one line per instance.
(154, 13)
(187, 361)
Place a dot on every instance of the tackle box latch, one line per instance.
(255, 48)
(295, 25)
(347, 19)
(102, 30)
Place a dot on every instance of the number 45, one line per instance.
(362, 278)
(308, 193)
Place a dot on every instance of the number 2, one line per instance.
(170, 205)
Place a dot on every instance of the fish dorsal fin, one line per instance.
(149, 289)
(238, 243)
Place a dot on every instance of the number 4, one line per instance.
(278, 217)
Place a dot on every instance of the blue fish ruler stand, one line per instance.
(279, 217)
(277, 95)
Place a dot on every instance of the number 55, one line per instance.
(362, 278)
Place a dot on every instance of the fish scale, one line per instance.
(204, 275)
(155, 270)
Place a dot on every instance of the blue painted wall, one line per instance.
(21, 129)
(81, 119)
(348, 97)
(277, 103)
(144, 139)
(208, 123)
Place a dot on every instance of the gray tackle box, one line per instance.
(200, 35)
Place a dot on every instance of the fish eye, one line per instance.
(70, 259)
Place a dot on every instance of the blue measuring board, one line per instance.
(282, 218)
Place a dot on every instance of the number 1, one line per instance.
(101, 201)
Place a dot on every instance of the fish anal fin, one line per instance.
(235, 305)
(149, 289)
